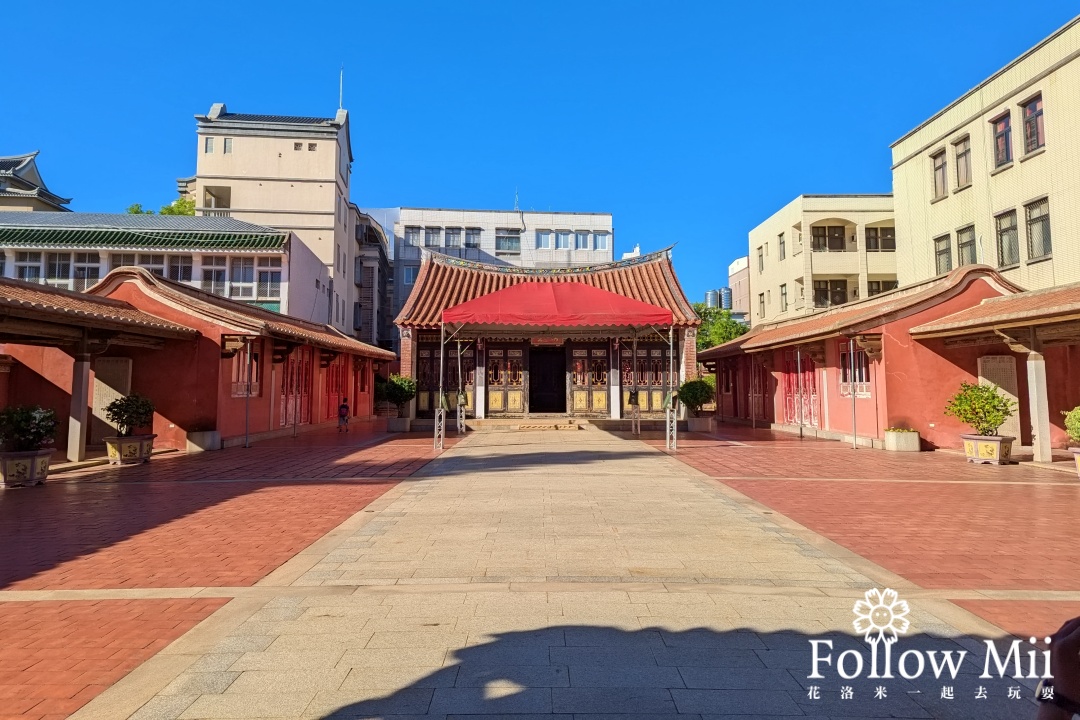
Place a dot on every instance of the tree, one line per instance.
(137, 209)
(717, 326)
(180, 206)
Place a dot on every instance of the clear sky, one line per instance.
(691, 122)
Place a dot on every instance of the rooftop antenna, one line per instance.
(341, 87)
(516, 198)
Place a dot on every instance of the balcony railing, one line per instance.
(216, 212)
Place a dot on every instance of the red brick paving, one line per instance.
(57, 656)
(1024, 618)
(223, 518)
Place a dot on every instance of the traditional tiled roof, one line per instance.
(126, 231)
(44, 303)
(21, 178)
(283, 119)
(245, 317)
(1035, 307)
(444, 282)
(856, 316)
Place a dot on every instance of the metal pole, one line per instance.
(440, 416)
(635, 409)
(673, 419)
(851, 377)
(799, 400)
(247, 398)
(460, 387)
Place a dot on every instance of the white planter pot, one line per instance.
(398, 424)
(902, 441)
(700, 424)
(129, 450)
(24, 468)
(988, 449)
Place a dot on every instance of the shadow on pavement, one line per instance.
(579, 671)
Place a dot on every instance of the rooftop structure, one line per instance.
(22, 188)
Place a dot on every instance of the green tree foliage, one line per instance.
(696, 393)
(400, 390)
(1072, 424)
(180, 206)
(137, 209)
(981, 407)
(130, 412)
(717, 326)
(26, 428)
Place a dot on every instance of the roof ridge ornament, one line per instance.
(442, 259)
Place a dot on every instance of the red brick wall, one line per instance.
(408, 346)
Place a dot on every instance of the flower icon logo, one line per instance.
(881, 615)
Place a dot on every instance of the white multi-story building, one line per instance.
(819, 251)
(501, 237)
(290, 173)
(739, 285)
(993, 179)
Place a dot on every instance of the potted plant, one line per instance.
(399, 390)
(1072, 426)
(902, 440)
(25, 434)
(984, 409)
(695, 394)
(130, 413)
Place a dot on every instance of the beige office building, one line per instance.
(738, 273)
(819, 251)
(994, 177)
(289, 173)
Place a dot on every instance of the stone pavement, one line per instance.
(558, 574)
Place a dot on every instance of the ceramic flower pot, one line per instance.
(20, 469)
(129, 450)
(988, 449)
(1076, 457)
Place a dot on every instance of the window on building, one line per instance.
(227, 146)
(761, 305)
(213, 274)
(876, 287)
(269, 287)
(830, 292)
(827, 238)
(782, 246)
(943, 254)
(941, 175)
(881, 239)
(28, 266)
(122, 260)
(453, 237)
(242, 278)
(1002, 140)
(298, 146)
(244, 364)
(1007, 241)
(432, 237)
(508, 240)
(854, 371)
(180, 268)
(783, 298)
(760, 259)
(87, 270)
(472, 237)
(412, 236)
(962, 153)
(543, 239)
(155, 263)
(965, 246)
(581, 241)
(58, 269)
(1038, 229)
(562, 240)
(410, 274)
(600, 241)
(1034, 138)
(311, 146)
(208, 145)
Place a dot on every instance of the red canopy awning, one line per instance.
(561, 304)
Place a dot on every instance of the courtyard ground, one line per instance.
(572, 574)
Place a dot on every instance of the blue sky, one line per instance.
(690, 122)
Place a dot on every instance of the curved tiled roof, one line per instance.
(855, 316)
(444, 282)
(1036, 307)
(255, 319)
(45, 303)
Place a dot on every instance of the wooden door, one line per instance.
(589, 381)
(296, 379)
(505, 380)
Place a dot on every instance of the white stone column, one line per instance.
(78, 420)
(1038, 407)
(614, 381)
(480, 383)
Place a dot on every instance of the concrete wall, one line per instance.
(1051, 70)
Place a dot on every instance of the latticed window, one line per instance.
(58, 269)
(966, 252)
(154, 263)
(1007, 241)
(180, 268)
(1038, 229)
(87, 270)
(28, 266)
(121, 260)
(269, 287)
(854, 372)
(943, 254)
(213, 274)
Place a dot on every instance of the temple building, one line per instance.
(22, 189)
(579, 342)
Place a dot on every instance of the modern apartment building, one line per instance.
(223, 256)
(739, 283)
(290, 173)
(501, 237)
(21, 186)
(819, 251)
(373, 314)
(993, 178)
